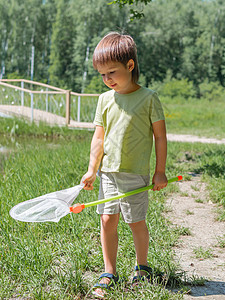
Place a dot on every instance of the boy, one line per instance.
(126, 119)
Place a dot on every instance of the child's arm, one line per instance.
(159, 179)
(95, 158)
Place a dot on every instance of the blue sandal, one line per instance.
(113, 281)
(148, 276)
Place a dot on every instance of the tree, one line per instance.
(185, 37)
(25, 24)
(93, 19)
(4, 33)
(61, 70)
(18, 37)
(136, 13)
(42, 39)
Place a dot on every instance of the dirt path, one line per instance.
(40, 115)
(191, 209)
(188, 138)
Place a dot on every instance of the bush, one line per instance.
(182, 89)
(212, 91)
(178, 88)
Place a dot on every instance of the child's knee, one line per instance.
(109, 221)
(141, 225)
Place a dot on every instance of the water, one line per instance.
(7, 144)
(3, 149)
(10, 144)
(2, 115)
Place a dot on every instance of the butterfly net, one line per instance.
(50, 207)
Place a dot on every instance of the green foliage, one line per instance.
(178, 36)
(96, 85)
(23, 24)
(61, 68)
(14, 75)
(134, 13)
(212, 91)
(130, 2)
(178, 88)
(175, 89)
(184, 37)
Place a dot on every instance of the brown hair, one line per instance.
(116, 47)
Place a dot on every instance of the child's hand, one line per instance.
(160, 181)
(88, 180)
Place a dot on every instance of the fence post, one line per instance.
(78, 109)
(22, 94)
(32, 107)
(46, 101)
(68, 96)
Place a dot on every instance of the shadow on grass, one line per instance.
(212, 163)
(210, 288)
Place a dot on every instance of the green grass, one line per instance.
(63, 260)
(201, 253)
(14, 127)
(221, 241)
(199, 200)
(189, 213)
(198, 117)
(195, 188)
(207, 160)
(51, 261)
(181, 230)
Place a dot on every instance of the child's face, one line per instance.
(118, 77)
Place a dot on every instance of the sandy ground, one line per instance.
(200, 218)
(193, 139)
(39, 115)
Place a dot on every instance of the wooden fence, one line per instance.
(46, 89)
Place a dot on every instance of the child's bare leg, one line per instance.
(141, 243)
(109, 240)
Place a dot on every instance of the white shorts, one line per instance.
(133, 208)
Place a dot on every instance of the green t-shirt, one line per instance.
(127, 120)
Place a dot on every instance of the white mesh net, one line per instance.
(50, 207)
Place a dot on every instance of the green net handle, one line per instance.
(123, 195)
